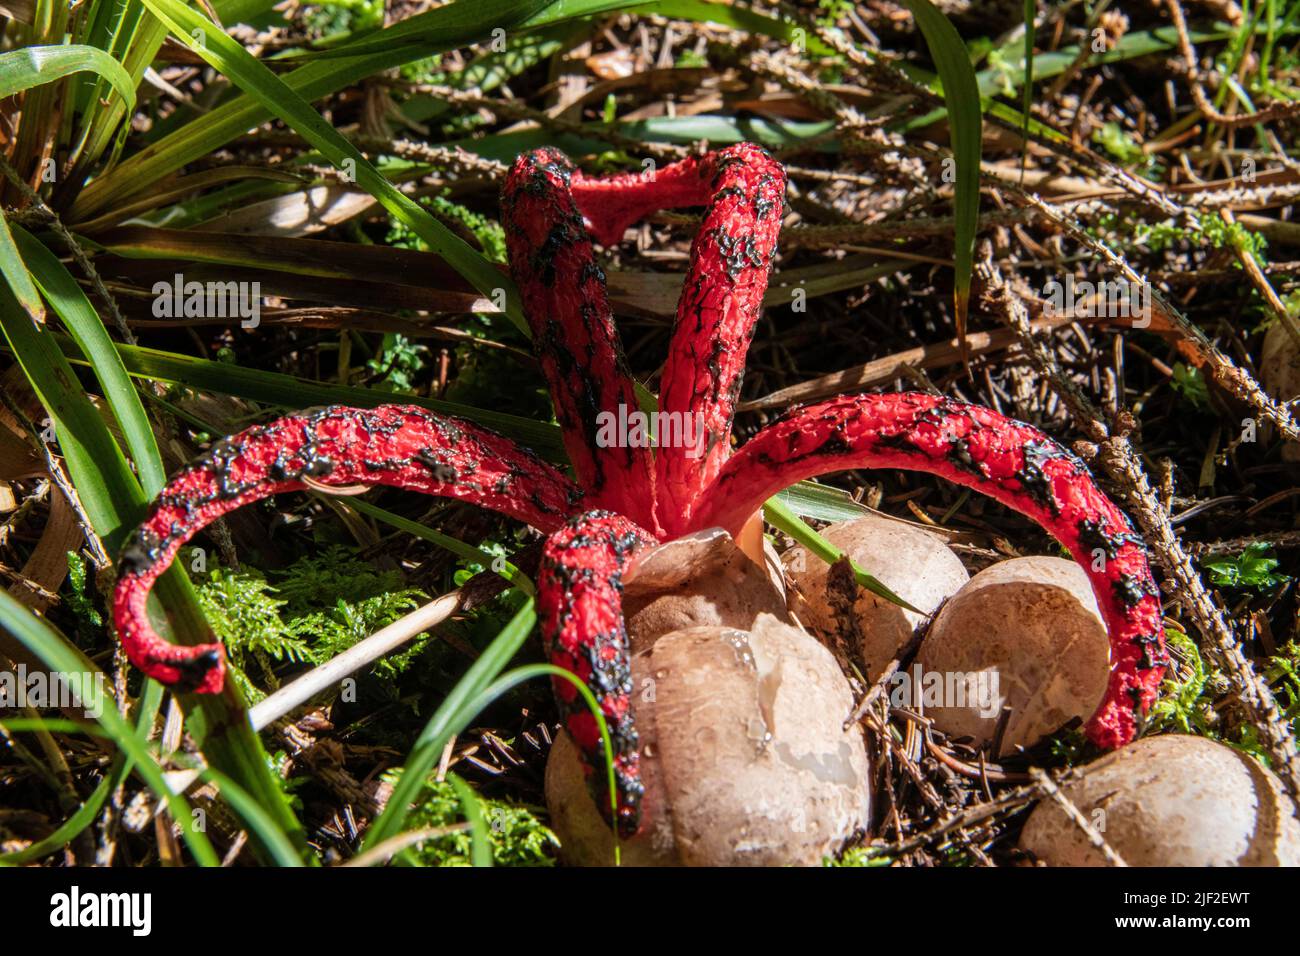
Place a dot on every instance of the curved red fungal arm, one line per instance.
(1005, 459)
(580, 604)
(574, 338)
(730, 260)
(398, 445)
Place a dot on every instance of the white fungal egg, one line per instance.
(744, 754)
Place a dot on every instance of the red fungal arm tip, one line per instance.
(580, 604)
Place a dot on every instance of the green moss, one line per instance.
(491, 237)
(1186, 703)
(515, 832)
(81, 602)
(398, 364)
(320, 606)
(1190, 384)
(1283, 675)
(343, 16)
(1120, 144)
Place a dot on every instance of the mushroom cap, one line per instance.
(1171, 800)
(915, 564)
(744, 753)
(700, 579)
(1024, 634)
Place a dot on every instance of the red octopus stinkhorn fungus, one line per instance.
(625, 497)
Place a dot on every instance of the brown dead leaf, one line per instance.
(47, 565)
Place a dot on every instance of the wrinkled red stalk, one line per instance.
(567, 306)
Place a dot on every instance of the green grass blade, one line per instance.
(454, 545)
(80, 319)
(257, 820)
(451, 717)
(680, 130)
(1031, 14)
(965, 121)
(415, 35)
(700, 11)
(15, 273)
(107, 23)
(286, 391)
(89, 810)
(53, 725)
(779, 515)
(54, 652)
(459, 23)
(205, 38)
(480, 853)
(94, 459)
(519, 675)
(745, 19)
(125, 29)
(114, 501)
(432, 748)
(36, 65)
(444, 28)
(821, 502)
(70, 829)
(134, 36)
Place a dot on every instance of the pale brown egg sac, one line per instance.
(916, 565)
(697, 580)
(1171, 800)
(1023, 635)
(745, 757)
